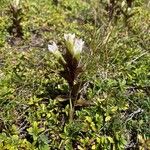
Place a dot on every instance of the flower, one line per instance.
(69, 38)
(74, 45)
(16, 3)
(78, 46)
(53, 47)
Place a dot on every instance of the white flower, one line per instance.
(16, 3)
(69, 37)
(74, 45)
(78, 46)
(53, 47)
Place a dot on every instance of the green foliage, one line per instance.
(111, 99)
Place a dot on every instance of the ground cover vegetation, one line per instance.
(74, 75)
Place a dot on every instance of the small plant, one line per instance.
(16, 16)
(71, 63)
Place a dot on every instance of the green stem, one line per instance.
(71, 111)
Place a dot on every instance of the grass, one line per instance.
(111, 103)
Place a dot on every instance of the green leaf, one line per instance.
(107, 118)
(110, 139)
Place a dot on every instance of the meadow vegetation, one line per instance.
(74, 75)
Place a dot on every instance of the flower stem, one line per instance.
(71, 111)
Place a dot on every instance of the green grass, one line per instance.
(112, 103)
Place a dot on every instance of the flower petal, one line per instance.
(78, 45)
(69, 37)
(53, 47)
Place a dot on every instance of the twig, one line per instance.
(139, 110)
(132, 61)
